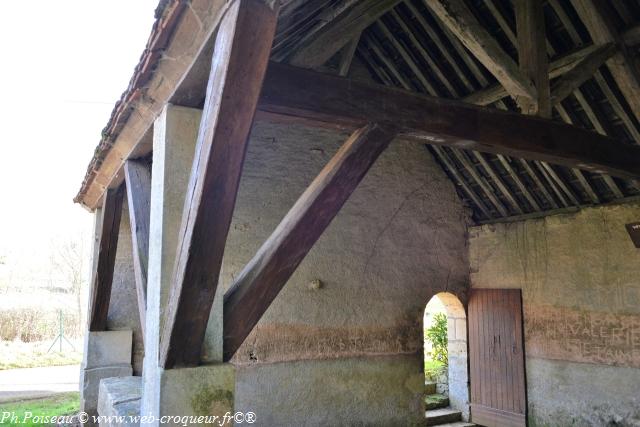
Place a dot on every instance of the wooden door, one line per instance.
(496, 358)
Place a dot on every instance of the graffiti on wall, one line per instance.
(582, 336)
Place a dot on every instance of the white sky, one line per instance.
(64, 64)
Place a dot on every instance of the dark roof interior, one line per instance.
(409, 47)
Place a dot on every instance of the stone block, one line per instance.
(204, 390)
(90, 384)
(120, 397)
(461, 329)
(108, 348)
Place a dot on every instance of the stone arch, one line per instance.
(458, 371)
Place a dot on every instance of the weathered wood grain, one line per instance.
(138, 183)
(293, 94)
(239, 62)
(460, 21)
(101, 287)
(263, 277)
(532, 55)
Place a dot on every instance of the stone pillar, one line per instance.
(177, 391)
(106, 353)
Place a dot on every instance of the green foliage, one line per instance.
(437, 335)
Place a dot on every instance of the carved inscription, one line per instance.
(280, 343)
(582, 336)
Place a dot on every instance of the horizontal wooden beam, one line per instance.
(240, 58)
(261, 280)
(293, 94)
(103, 276)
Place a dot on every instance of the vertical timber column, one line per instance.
(106, 353)
(174, 141)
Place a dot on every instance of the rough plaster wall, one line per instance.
(123, 306)
(327, 392)
(581, 300)
(399, 239)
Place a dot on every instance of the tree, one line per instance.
(437, 335)
(68, 259)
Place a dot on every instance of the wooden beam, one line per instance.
(240, 58)
(532, 55)
(318, 47)
(557, 68)
(596, 16)
(190, 31)
(582, 72)
(347, 56)
(263, 277)
(138, 182)
(293, 94)
(101, 287)
(461, 22)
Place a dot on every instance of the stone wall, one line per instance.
(123, 306)
(351, 346)
(580, 280)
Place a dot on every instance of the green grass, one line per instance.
(61, 404)
(16, 354)
(432, 368)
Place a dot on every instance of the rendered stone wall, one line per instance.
(356, 340)
(580, 280)
(123, 306)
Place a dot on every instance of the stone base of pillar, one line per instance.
(206, 390)
(106, 354)
(119, 402)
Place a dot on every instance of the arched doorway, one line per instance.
(451, 376)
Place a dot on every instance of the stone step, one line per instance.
(429, 388)
(442, 416)
(435, 401)
(458, 424)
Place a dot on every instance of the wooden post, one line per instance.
(264, 276)
(241, 53)
(532, 55)
(138, 181)
(103, 277)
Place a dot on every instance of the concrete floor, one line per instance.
(32, 383)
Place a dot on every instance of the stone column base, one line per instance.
(106, 354)
(203, 391)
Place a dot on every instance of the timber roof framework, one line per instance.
(407, 45)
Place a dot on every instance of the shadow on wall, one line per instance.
(454, 379)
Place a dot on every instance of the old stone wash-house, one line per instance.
(285, 185)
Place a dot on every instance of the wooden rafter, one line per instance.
(583, 71)
(103, 276)
(596, 16)
(557, 68)
(460, 20)
(263, 277)
(308, 96)
(347, 55)
(138, 183)
(532, 55)
(240, 57)
(318, 47)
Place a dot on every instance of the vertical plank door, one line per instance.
(496, 358)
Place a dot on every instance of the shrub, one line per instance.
(437, 335)
(38, 323)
